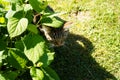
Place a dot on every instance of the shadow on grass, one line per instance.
(74, 61)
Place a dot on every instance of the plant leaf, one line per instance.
(27, 7)
(50, 57)
(50, 74)
(34, 47)
(36, 50)
(29, 16)
(1, 57)
(10, 14)
(2, 77)
(36, 74)
(2, 45)
(47, 58)
(17, 59)
(16, 27)
(52, 22)
(14, 1)
(33, 28)
(2, 20)
(8, 75)
(38, 5)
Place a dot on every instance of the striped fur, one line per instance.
(56, 36)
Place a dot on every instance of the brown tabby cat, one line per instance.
(56, 36)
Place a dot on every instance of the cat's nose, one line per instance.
(59, 44)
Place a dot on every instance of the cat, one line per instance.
(56, 36)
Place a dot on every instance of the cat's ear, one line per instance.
(67, 25)
(36, 18)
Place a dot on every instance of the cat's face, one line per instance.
(56, 36)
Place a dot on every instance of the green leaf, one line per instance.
(14, 14)
(50, 57)
(17, 5)
(57, 14)
(16, 26)
(14, 6)
(52, 22)
(8, 75)
(48, 11)
(1, 57)
(36, 74)
(10, 14)
(19, 14)
(19, 45)
(2, 77)
(33, 28)
(17, 59)
(47, 58)
(38, 5)
(34, 47)
(50, 74)
(27, 7)
(2, 45)
(2, 20)
(36, 50)
(14, 1)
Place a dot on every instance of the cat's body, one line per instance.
(56, 36)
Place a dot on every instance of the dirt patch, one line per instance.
(82, 16)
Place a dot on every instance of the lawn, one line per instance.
(92, 49)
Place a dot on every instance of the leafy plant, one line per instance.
(22, 49)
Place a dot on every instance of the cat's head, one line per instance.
(56, 36)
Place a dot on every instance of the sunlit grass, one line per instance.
(99, 21)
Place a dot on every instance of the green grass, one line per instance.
(92, 50)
